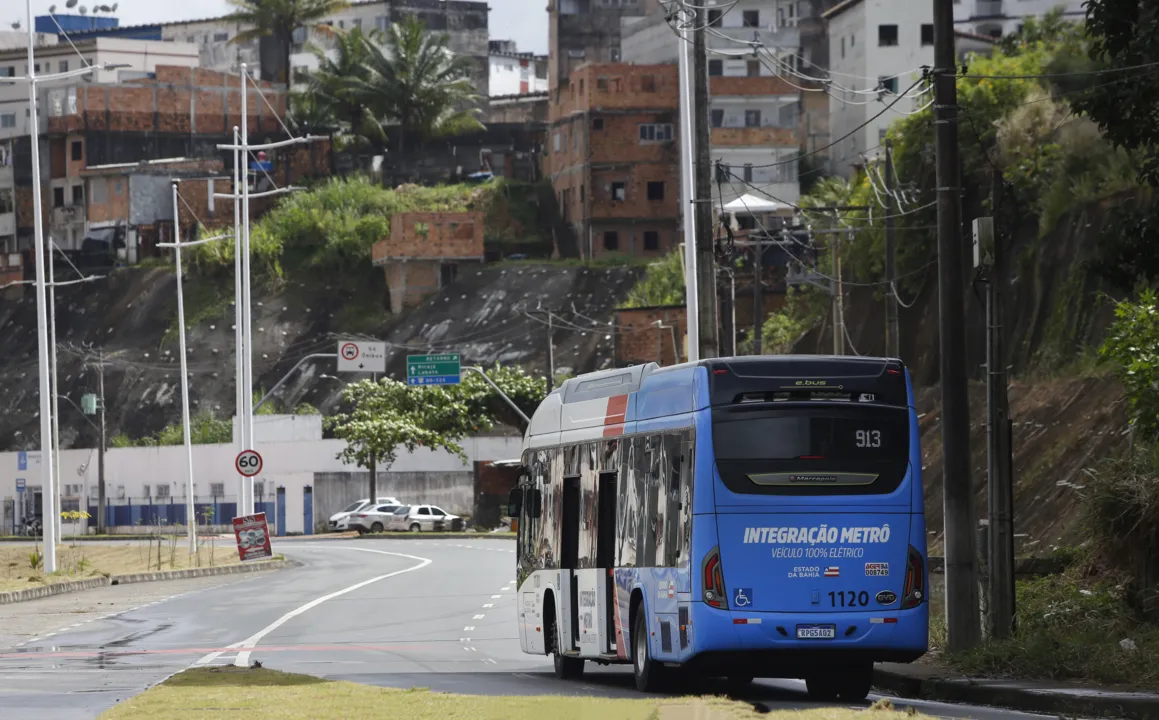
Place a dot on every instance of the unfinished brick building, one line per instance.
(651, 334)
(612, 156)
(424, 251)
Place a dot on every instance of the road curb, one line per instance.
(432, 536)
(44, 591)
(1063, 701)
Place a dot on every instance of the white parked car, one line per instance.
(423, 518)
(371, 518)
(340, 521)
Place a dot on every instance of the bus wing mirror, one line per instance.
(515, 502)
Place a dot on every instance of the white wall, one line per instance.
(291, 464)
(984, 16)
(508, 72)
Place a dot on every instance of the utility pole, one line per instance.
(550, 355)
(709, 336)
(1000, 486)
(892, 348)
(758, 296)
(963, 624)
(838, 299)
(101, 511)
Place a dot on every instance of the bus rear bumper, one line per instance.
(777, 644)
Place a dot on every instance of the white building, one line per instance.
(464, 22)
(998, 18)
(876, 52)
(755, 109)
(515, 73)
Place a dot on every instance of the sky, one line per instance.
(524, 21)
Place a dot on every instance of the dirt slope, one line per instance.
(1062, 429)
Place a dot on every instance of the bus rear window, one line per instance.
(811, 450)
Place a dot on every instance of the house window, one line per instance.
(381, 23)
(614, 55)
(217, 489)
(260, 488)
(842, 47)
(748, 172)
(651, 240)
(162, 491)
(8, 120)
(447, 274)
(656, 190)
(927, 34)
(715, 67)
(77, 151)
(58, 197)
(221, 37)
(716, 117)
(887, 35)
(556, 141)
(648, 83)
(597, 123)
(602, 84)
(753, 67)
(356, 22)
(298, 36)
(714, 17)
(619, 191)
(752, 118)
(64, 66)
(6, 203)
(655, 132)
(611, 240)
(78, 195)
(751, 18)
(889, 84)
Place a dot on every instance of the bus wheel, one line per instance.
(825, 688)
(646, 670)
(566, 668)
(856, 682)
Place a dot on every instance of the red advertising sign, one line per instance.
(253, 537)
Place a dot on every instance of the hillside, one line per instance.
(130, 315)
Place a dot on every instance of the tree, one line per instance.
(417, 83)
(276, 21)
(1125, 103)
(388, 416)
(332, 85)
(662, 284)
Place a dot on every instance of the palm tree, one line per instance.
(333, 84)
(277, 20)
(417, 83)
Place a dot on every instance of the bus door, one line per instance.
(606, 558)
(567, 605)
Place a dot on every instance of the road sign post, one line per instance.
(443, 369)
(248, 463)
(360, 356)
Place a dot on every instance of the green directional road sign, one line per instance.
(433, 369)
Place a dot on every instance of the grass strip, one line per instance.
(228, 692)
(22, 566)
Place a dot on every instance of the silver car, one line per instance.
(371, 519)
(423, 518)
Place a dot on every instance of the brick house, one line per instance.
(650, 334)
(424, 251)
(612, 157)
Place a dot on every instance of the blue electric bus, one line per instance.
(738, 517)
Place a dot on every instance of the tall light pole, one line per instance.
(688, 193)
(48, 493)
(190, 508)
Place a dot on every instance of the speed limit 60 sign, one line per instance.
(248, 463)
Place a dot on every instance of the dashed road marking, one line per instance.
(478, 617)
(468, 628)
(496, 597)
(489, 605)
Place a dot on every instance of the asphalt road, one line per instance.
(430, 613)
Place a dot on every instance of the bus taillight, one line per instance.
(714, 580)
(914, 590)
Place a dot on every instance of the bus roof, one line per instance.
(600, 404)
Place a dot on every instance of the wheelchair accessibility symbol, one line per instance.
(742, 597)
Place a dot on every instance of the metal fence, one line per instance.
(159, 512)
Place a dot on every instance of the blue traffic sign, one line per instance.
(445, 369)
(434, 380)
(22, 460)
(19, 485)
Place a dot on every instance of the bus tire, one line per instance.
(647, 672)
(566, 668)
(856, 682)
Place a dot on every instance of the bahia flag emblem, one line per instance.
(832, 571)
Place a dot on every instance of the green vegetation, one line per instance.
(228, 692)
(204, 429)
(388, 416)
(662, 284)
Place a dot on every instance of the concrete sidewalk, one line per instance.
(930, 682)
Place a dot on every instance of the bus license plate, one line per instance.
(816, 632)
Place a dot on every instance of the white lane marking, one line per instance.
(478, 617)
(506, 589)
(468, 628)
(489, 605)
(213, 656)
(247, 645)
(496, 597)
